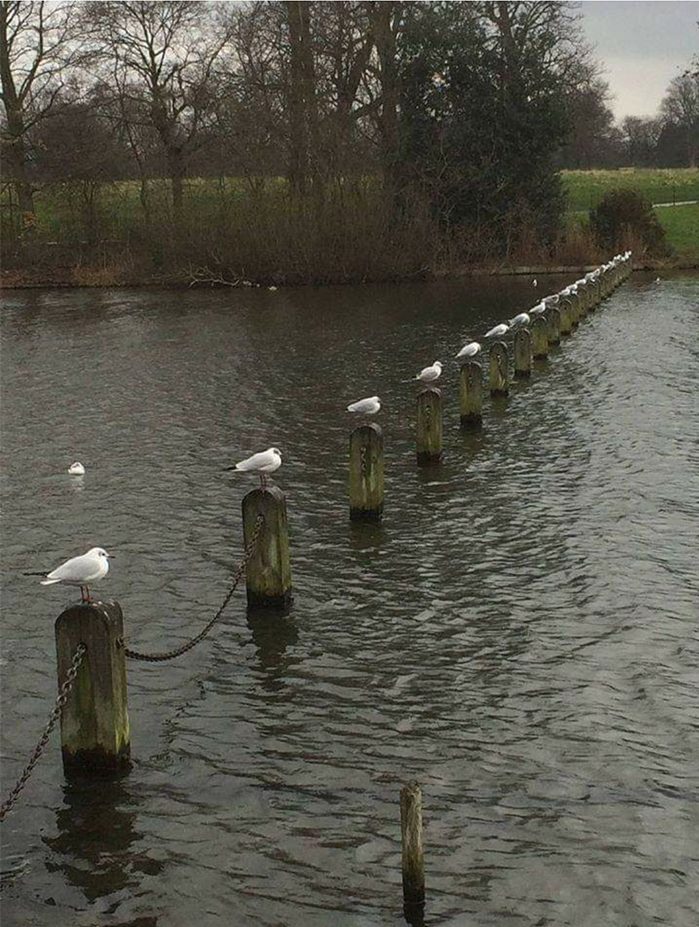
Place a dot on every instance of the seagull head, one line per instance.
(437, 364)
(99, 552)
(275, 450)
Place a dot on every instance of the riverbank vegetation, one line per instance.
(294, 142)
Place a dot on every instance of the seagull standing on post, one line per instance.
(263, 463)
(79, 571)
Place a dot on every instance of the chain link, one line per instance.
(171, 654)
(61, 701)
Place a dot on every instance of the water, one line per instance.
(520, 635)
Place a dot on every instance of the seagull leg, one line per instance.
(263, 481)
(88, 600)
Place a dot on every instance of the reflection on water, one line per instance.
(518, 635)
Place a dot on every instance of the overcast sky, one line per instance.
(642, 46)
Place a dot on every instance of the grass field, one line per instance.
(681, 224)
(660, 185)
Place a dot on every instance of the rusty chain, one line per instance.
(178, 651)
(61, 700)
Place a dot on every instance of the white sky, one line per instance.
(642, 44)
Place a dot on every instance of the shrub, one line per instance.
(625, 218)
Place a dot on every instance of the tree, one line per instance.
(160, 58)
(640, 139)
(680, 107)
(593, 140)
(34, 55)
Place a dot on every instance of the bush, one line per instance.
(624, 218)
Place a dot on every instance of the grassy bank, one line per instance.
(231, 232)
(585, 189)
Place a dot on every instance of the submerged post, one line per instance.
(429, 426)
(523, 353)
(95, 733)
(268, 571)
(413, 862)
(471, 394)
(498, 369)
(554, 333)
(366, 473)
(540, 338)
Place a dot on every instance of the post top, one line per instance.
(368, 427)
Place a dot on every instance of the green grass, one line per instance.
(586, 188)
(681, 224)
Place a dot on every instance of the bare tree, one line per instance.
(34, 55)
(160, 58)
(680, 107)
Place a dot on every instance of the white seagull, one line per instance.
(538, 309)
(535, 282)
(369, 406)
(497, 331)
(470, 349)
(265, 462)
(521, 319)
(76, 469)
(430, 374)
(79, 571)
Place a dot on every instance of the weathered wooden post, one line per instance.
(583, 300)
(95, 733)
(429, 426)
(471, 395)
(523, 353)
(498, 369)
(574, 310)
(413, 861)
(268, 570)
(566, 319)
(554, 317)
(366, 473)
(540, 337)
(596, 294)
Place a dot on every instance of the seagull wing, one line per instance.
(263, 459)
(81, 569)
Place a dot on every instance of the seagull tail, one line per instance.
(49, 582)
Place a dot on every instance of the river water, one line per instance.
(519, 635)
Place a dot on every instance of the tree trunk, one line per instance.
(176, 171)
(382, 20)
(302, 100)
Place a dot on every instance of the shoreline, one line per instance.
(17, 280)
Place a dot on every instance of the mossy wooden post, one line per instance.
(596, 294)
(95, 733)
(429, 426)
(471, 395)
(566, 320)
(268, 571)
(574, 310)
(540, 338)
(523, 353)
(413, 860)
(554, 321)
(366, 473)
(498, 369)
(583, 300)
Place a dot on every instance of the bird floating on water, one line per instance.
(262, 463)
(500, 329)
(521, 319)
(430, 374)
(535, 282)
(470, 349)
(79, 571)
(369, 406)
(76, 469)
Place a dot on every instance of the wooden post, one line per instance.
(429, 426)
(366, 473)
(498, 369)
(523, 353)
(413, 862)
(554, 316)
(540, 337)
(268, 571)
(583, 300)
(574, 310)
(471, 394)
(566, 320)
(95, 733)
(596, 294)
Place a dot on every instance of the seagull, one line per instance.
(538, 309)
(470, 349)
(657, 279)
(368, 406)
(429, 374)
(79, 571)
(535, 282)
(521, 319)
(265, 462)
(76, 469)
(497, 331)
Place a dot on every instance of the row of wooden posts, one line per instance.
(95, 732)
